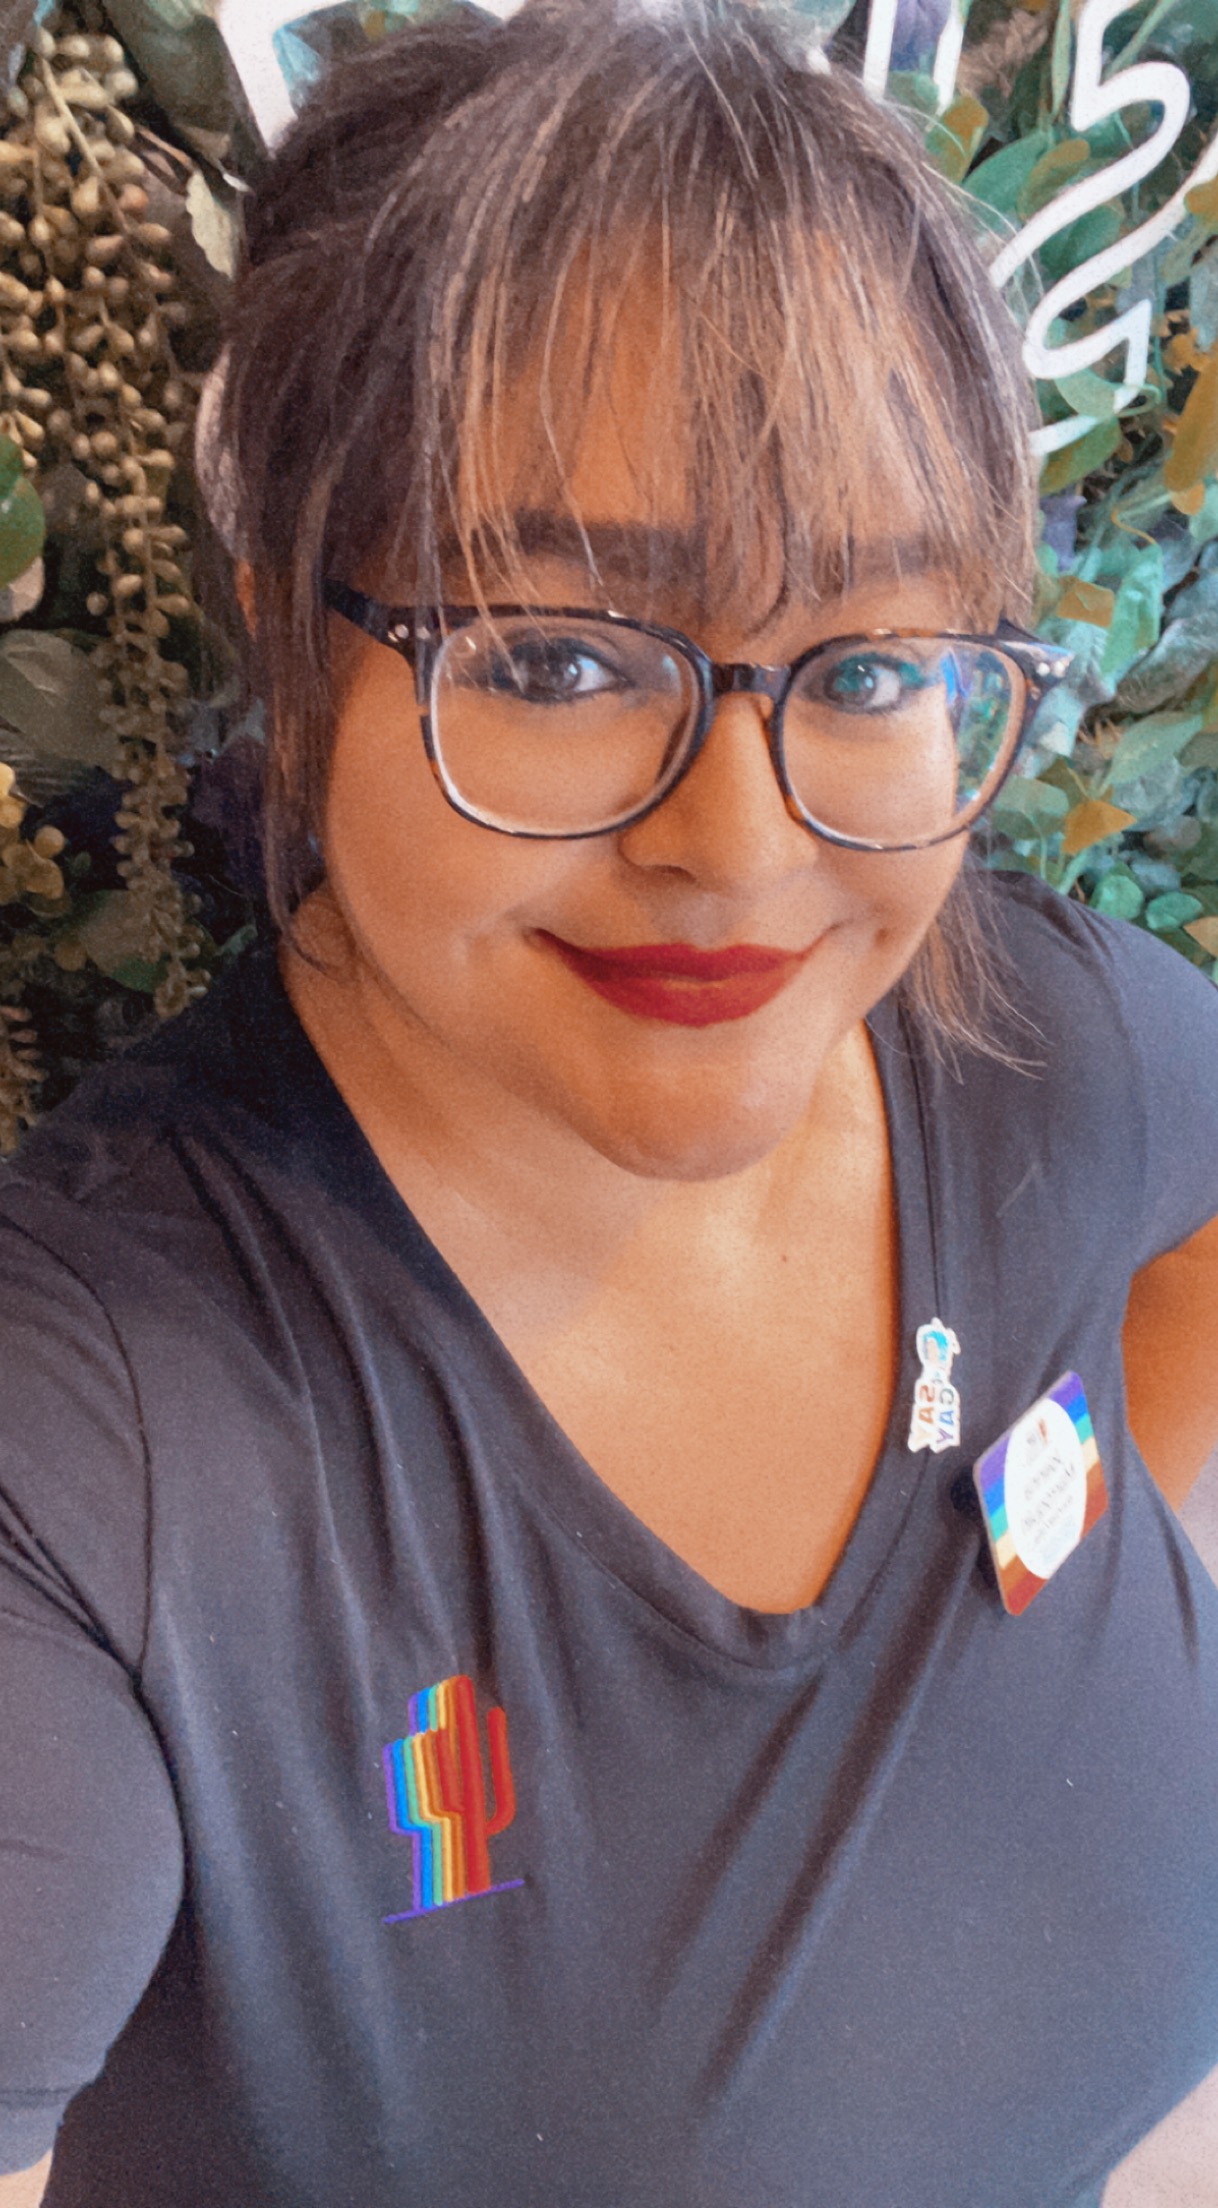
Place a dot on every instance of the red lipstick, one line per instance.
(676, 983)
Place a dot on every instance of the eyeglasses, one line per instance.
(548, 721)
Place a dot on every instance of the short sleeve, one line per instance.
(1169, 1011)
(90, 1844)
(1121, 1033)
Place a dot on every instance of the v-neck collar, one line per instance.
(531, 1448)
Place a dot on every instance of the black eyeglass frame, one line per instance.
(418, 633)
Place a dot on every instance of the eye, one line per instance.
(541, 670)
(870, 682)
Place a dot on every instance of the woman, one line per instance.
(506, 1698)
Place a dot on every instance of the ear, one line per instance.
(247, 594)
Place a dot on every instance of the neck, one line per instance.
(517, 1201)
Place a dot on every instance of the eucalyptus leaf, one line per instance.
(1176, 545)
(1188, 32)
(215, 225)
(1204, 524)
(114, 932)
(1149, 744)
(12, 466)
(1118, 894)
(1176, 839)
(1061, 57)
(998, 181)
(1199, 601)
(1203, 858)
(180, 51)
(1137, 614)
(1154, 796)
(1080, 459)
(1025, 804)
(1086, 644)
(1092, 233)
(1202, 752)
(1203, 298)
(1178, 257)
(1183, 652)
(826, 15)
(1087, 393)
(23, 530)
(49, 696)
(1110, 139)
(1057, 720)
(1157, 877)
(1174, 910)
(1063, 160)
(22, 597)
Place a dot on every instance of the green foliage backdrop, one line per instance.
(128, 859)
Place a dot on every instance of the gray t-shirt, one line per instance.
(895, 1902)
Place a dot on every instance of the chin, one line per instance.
(691, 1138)
(708, 1160)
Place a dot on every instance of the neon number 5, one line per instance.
(1093, 101)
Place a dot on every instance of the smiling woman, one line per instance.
(598, 1354)
(811, 403)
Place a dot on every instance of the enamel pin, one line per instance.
(935, 1421)
(1041, 1488)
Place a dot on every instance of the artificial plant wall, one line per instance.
(128, 763)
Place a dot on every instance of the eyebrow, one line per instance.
(630, 552)
(619, 551)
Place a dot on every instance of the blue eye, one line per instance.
(872, 682)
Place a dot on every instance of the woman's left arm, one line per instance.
(1171, 1361)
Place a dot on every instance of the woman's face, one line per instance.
(493, 956)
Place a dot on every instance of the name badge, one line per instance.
(1041, 1489)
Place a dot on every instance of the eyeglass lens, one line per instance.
(561, 725)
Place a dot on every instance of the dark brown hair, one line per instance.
(453, 200)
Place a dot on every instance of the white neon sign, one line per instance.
(1092, 100)
(877, 54)
(249, 29)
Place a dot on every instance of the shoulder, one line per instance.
(136, 1292)
(1110, 1076)
(1066, 961)
(110, 1233)
(121, 1115)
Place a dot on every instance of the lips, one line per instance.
(679, 984)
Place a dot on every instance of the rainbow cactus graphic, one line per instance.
(437, 1796)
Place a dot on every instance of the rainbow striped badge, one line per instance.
(1041, 1488)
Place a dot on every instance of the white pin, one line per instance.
(935, 1420)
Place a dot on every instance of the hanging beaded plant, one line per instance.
(95, 404)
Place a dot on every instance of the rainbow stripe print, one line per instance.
(438, 1798)
(1041, 1489)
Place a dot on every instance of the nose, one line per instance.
(726, 824)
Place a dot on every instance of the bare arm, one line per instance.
(25, 2188)
(1171, 1362)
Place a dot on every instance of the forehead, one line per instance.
(659, 464)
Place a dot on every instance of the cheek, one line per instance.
(387, 825)
(410, 874)
(910, 890)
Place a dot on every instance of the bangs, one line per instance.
(772, 315)
(781, 429)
